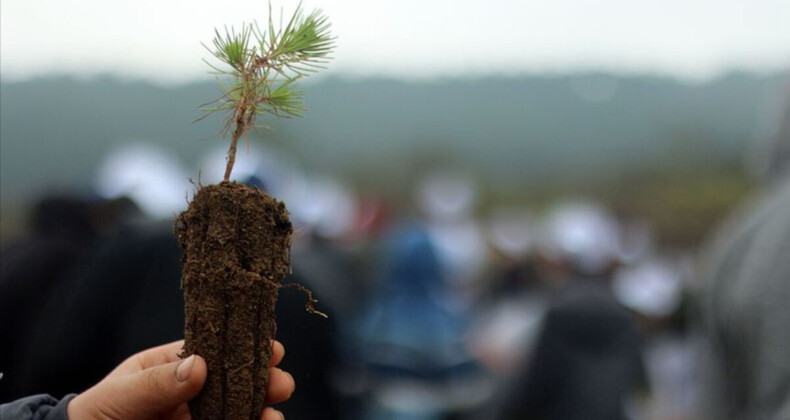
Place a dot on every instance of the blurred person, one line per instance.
(153, 384)
(582, 239)
(326, 216)
(148, 175)
(410, 339)
(745, 295)
(510, 310)
(586, 361)
(511, 232)
(63, 230)
(509, 317)
(115, 296)
(653, 290)
(448, 199)
(121, 296)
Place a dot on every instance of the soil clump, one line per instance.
(236, 242)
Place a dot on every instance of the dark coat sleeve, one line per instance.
(36, 407)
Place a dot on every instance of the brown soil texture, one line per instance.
(236, 243)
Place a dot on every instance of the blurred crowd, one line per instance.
(436, 312)
(438, 309)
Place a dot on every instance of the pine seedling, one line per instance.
(258, 68)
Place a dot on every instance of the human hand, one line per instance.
(156, 384)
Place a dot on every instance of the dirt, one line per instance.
(236, 242)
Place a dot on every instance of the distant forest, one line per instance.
(517, 134)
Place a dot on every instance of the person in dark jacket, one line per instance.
(35, 276)
(587, 358)
(586, 361)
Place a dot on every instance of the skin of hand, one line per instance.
(156, 384)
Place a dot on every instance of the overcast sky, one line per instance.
(160, 39)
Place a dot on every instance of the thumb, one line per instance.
(144, 395)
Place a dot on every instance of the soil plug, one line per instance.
(235, 238)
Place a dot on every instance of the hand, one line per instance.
(156, 384)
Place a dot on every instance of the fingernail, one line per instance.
(185, 369)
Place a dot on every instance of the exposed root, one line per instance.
(308, 306)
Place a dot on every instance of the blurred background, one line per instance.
(491, 200)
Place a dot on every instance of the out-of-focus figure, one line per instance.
(410, 338)
(587, 359)
(146, 174)
(653, 290)
(509, 312)
(35, 271)
(447, 199)
(746, 317)
(582, 239)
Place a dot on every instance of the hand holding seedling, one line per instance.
(156, 384)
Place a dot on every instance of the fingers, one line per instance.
(281, 386)
(164, 387)
(143, 395)
(278, 352)
(167, 353)
(271, 414)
